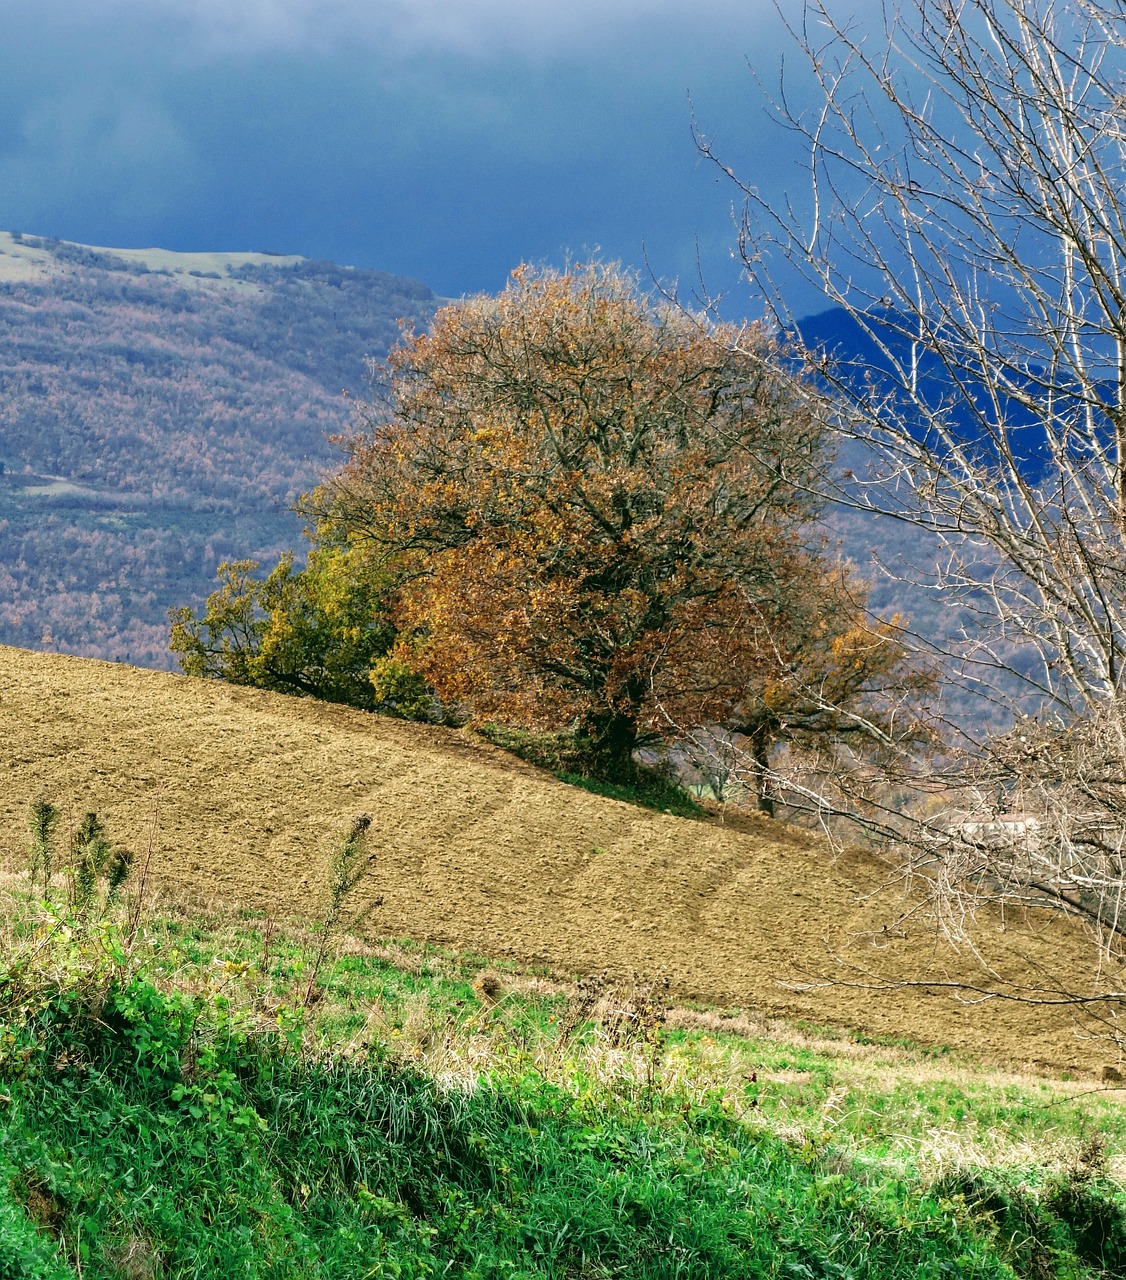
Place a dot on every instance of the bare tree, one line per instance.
(966, 207)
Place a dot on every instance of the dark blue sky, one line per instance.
(445, 139)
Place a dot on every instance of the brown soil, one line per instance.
(242, 794)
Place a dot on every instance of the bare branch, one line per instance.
(965, 206)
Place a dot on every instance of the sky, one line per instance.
(449, 140)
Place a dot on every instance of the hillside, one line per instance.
(159, 412)
(241, 794)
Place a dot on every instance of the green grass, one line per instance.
(171, 1106)
(649, 790)
(567, 758)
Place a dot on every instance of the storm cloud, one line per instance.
(484, 28)
(446, 141)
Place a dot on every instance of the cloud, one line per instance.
(536, 29)
(115, 149)
(445, 138)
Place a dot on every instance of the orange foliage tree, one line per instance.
(805, 700)
(580, 488)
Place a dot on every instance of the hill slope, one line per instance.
(158, 413)
(242, 792)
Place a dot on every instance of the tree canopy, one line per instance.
(316, 632)
(580, 486)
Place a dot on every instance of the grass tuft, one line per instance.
(568, 759)
(649, 791)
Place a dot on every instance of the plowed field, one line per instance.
(241, 794)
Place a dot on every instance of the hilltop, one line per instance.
(241, 793)
(159, 412)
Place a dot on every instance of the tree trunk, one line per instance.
(760, 754)
(609, 738)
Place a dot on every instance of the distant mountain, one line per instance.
(901, 559)
(159, 412)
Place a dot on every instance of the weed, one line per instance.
(581, 1008)
(94, 859)
(269, 931)
(349, 864)
(488, 987)
(96, 869)
(40, 866)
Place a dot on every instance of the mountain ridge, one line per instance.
(159, 413)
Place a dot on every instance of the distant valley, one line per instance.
(159, 413)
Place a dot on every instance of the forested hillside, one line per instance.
(159, 412)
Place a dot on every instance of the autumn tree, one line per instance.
(576, 483)
(785, 704)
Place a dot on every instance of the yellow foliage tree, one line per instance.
(317, 632)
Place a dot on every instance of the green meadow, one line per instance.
(184, 1094)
